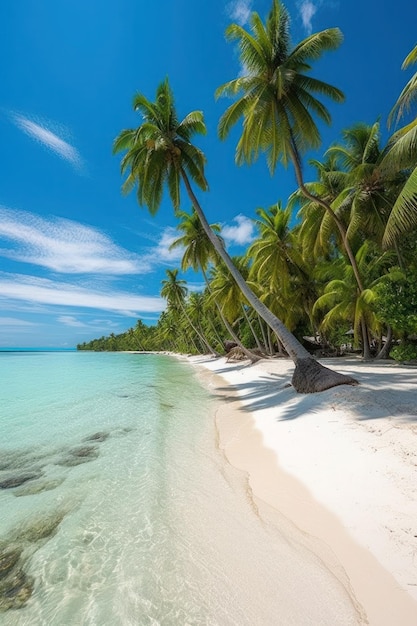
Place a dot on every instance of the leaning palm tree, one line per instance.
(174, 290)
(278, 98)
(160, 152)
(198, 253)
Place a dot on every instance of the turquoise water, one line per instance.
(132, 516)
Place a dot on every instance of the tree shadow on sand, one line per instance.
(387, 392)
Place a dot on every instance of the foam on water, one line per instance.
(146, 524)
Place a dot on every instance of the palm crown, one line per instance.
(160, 149)
(278, 98)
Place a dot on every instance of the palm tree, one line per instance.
(342, 299)
(316, 229)
(402, 154)
(174, 291)
(198, 252)
(160, 152)
(279, 97)
(369, 192)
(274, 256)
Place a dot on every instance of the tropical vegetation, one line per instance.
(332, 268)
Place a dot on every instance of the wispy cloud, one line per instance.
(64, 246)
(240, 11)
(12, 322)
(42, 132)
(240, 234)
(70, 320)
(44, 291)
(307, 11)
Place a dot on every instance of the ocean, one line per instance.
(118, 508)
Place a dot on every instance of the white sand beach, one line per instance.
(341, 466)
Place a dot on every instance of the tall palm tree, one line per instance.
(160, 152)
(278, 98)
(402, 151)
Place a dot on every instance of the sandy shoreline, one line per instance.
(341, 466)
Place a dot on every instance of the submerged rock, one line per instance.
(39, 528)
(100, 436)
(15, 590)
(37, 487)
(9, 557)
(15, 481)
(76, 456)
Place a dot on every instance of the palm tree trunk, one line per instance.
(258, 343)
(309, 375)
(365, 340)
(197, 332)
(261, 325)
(385, 350)
(215, 332)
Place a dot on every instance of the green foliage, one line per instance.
(364, 197)
(277, 97)
(396, 302)
(404, 352)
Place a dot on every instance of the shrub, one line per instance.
(404, 352)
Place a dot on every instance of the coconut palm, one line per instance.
(316, 229)
(278, 98)
(274, 255)
(317, 233)
(160, 152)
(369, 190)
(198, 253)
(174, 290)
(342, 299)
(402, 152)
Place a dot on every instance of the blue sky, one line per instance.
(77, 259)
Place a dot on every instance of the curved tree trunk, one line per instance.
(309, 375)
(327, 207)
(385, 350)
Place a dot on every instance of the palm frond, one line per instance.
(403, 216)
(313, 47)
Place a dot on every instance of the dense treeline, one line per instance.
(335, 265)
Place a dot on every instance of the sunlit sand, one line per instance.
(340, 465)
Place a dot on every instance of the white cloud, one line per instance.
(240, 11)
(70, 320)
(64, 246)
(41, 132)
(12, 322)
(44, 291)
(307, 11)
(240, 234)
(162, 251)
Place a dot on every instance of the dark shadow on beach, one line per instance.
(372, 399)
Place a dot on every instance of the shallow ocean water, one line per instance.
(133, 516)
